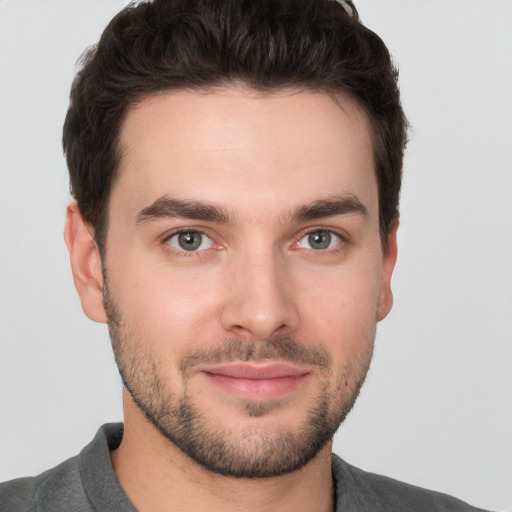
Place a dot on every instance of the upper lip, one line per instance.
(240, 370)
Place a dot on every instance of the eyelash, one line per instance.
(201, 253)
(309, 231)
(184, 253)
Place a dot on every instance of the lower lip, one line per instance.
(258, 389)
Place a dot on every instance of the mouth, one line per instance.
(257, 382)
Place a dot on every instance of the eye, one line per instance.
(320, 240)
(190, 241)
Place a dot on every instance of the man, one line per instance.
(236, 169)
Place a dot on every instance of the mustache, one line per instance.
(282, 348)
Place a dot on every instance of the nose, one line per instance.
(260, 300)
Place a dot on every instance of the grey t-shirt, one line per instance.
(88, 483)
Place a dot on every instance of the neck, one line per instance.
(157, 476)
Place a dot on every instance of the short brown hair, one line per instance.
(161, 45)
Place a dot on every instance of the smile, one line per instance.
(257, 382)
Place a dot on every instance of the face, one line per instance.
(244, 274)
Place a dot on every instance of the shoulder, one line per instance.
(17, 495)
(83, 483)
(360, 490)
(56, 489)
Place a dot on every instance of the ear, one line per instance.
(85, 261)
(388, 264)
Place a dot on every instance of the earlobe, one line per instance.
(388, 264)
(85, 261)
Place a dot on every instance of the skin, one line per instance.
(261, 160)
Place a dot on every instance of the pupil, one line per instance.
(320, 239)
(189, 241)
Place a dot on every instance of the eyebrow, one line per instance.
(165, 208)
(346, 205)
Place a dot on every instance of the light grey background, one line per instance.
(437, 407)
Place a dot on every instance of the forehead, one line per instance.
(239, 148)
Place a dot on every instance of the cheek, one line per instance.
(165, 304)
(343, 311)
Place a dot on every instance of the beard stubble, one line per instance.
(253, 452)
